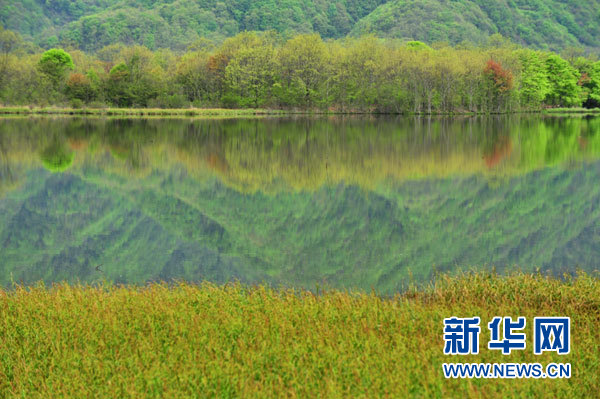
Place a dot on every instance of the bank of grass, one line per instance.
(572, 110)
(144, 112)
(234, 341)
(233, 113)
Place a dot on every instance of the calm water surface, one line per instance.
(349, 202)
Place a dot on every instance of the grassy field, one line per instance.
(235, 341)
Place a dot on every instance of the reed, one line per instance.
(187, 340)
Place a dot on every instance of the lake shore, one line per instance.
(249, 112)
(237, 341)
(183, 112)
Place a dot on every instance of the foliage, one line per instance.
(589, 81)
(303, 62)
(500, 82)
(93, 24)
(80, 87)
(563, 78)
(10, 42)
(55, 63)
(535, 84)
(304, 72)
(238, 341)
(501, 79)
(543, 24)
(249, 73)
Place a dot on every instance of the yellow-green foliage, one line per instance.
(235, 341)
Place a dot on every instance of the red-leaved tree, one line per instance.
(501, 83)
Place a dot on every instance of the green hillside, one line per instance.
(545, 24)
(93, 24)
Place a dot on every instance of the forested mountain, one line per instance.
(93, 24)
(545, 24)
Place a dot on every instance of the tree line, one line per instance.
(263, 70)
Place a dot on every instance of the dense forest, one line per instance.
(92, 24)
(543, 24)
(253, 70)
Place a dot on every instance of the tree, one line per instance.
(136, 79)
(471, 80)
(592, 84)
(589, 81)
(201, 75)
(534, 83)
(447, 71)
(500, 83)
(357, 73)
(80, 87)
(55, 63)
(249, 75)
(9, 42)
(302, 62)
(417, 45)
(419, 77)
(118, 88)
(563, 78)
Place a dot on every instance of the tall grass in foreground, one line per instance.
(236, 341)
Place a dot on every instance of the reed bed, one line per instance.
(185, 340)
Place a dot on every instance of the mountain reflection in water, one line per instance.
(349, 202)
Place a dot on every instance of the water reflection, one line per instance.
(353, 202)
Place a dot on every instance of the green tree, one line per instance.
(145, 75)
(589, 81)
(563, 78)
(417, 45)
(593, 85)
(55, 64)
(9, 42)
(249, 75)
(81, 87)
(534, 82)
(195, 75)
(117, 86)
(137, 79)
(357, 73)
(302, 69)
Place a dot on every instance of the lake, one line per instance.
(344, 202)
